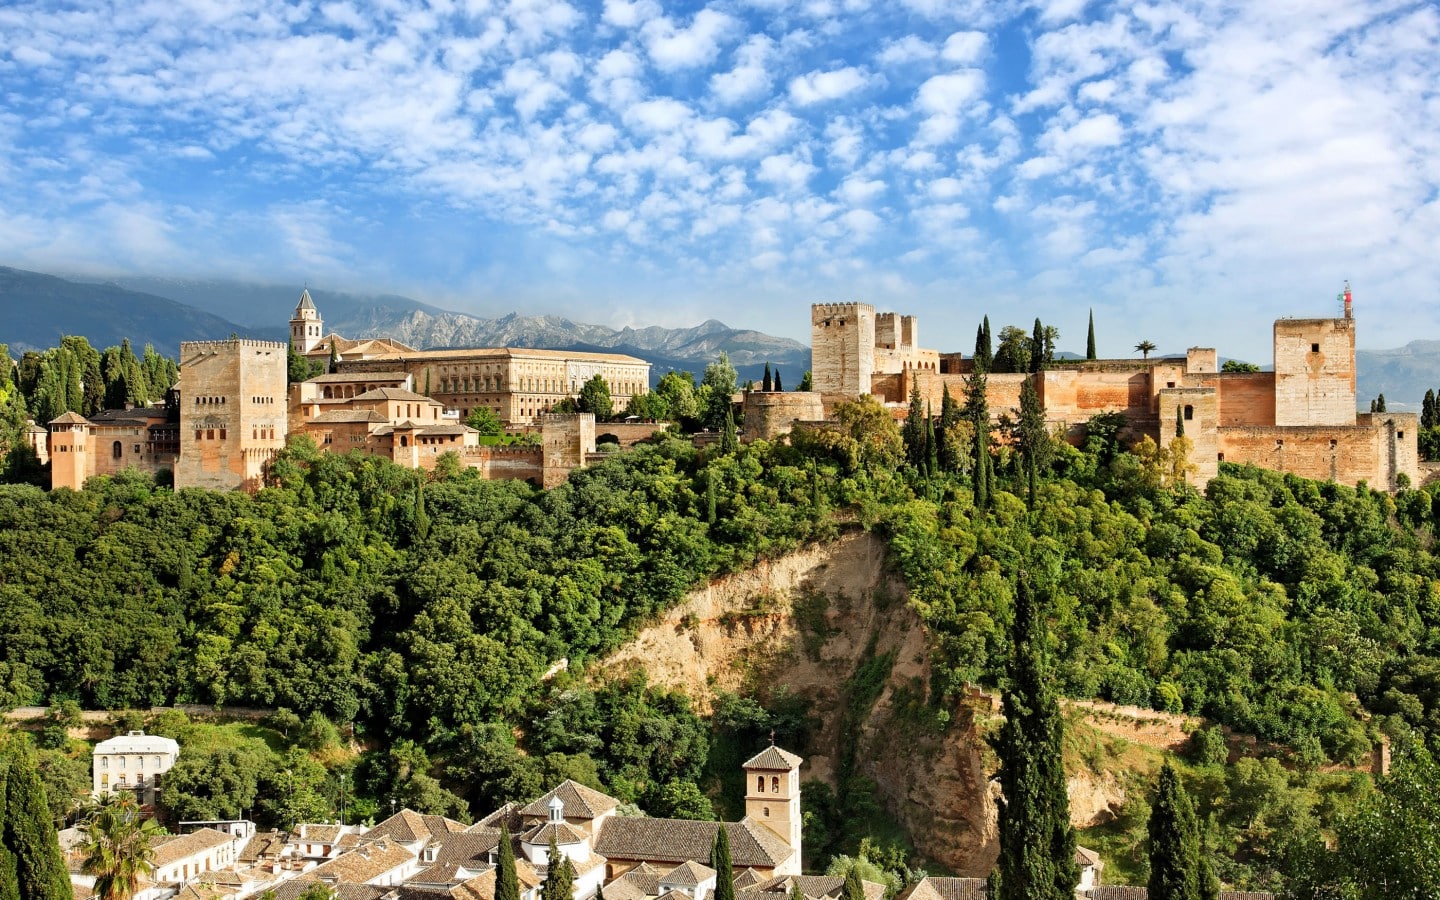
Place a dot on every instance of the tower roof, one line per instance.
(305, 301)
(772, 757)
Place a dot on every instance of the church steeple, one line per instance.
(772, 794)
(306, 326)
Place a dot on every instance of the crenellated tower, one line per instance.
(842, 348)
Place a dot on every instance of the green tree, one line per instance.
(1037, 844)
(1037, 347)
(1235, 365)
(1427, 409)
(807, 382)
(117, 842)
(31, 866)
(876, 437)
(778, 386)
(1090, 338)
(728, 439)
(984, 348)
(507, 882)
(559, 876)
(1145, 348)
(334, 360)
(913, 431)
(1032, 437)
(718, 383)
(1178, 869)
(854, 888)
(1013, 352)
(977, 413)
(720, 862)
(484, 420)
(768, 383)
(595, 398)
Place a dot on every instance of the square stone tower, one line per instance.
(232, 412)
(842, 348)
(1315, 371)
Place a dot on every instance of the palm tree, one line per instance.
(116, 839)
(1144, 348)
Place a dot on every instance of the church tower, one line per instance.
(306, 327)
(772, 794)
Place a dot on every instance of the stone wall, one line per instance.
(1369, 452)
(628, 434)
(509, 462)
(1315, 372)
(1198, 408)
(770, 414)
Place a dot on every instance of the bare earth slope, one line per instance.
(804, 623)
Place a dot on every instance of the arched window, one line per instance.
(1189, 412)
(775, 784)
(760, 783)
(116, 450)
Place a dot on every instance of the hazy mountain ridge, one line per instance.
(36, 310)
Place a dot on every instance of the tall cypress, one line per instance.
(989, 345)
(932, 447)
(913, 431)
(978, 358)
(507, 882)
(720, 862)
(854, 888)
(1179, 421)
(777, 379)
(334, 358)
(559, 875)
(1037, 844)
(767, 385)
(31, 864)
(1034, 438)
(1090, 338)
(1037, 347)
(1179, 869)
(1427, 410)
(977, 411)
(728, 440)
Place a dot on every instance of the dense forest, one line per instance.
(421, 612)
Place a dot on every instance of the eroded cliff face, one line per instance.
(806, 622)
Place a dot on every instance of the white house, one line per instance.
(133, 762)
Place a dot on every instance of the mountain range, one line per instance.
(36, 309)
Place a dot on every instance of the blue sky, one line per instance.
(1191, 170)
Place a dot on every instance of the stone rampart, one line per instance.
(842, 340)
(770, 414)
(1247, 399)
(1315, 372)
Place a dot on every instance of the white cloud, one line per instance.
(908, 49)
(673, 48)
(623, 14)
(965, 48)
(818, 87)
(750, 77)
(786, 171)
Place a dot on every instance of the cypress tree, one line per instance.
(977, 411)
(1178, 867)
(932, 448)
(422, 518)
(720, 862)
(1179, 421)
(1034, 438)
(978, 358)
(559, 876)
(1380, 403)
(1090, 338)
(854, 888)
(767, 385)
(777, 380)
(334, 358)
(795, 892)
(710, 498)
(1037, 347)
(507, 882)
(1037, 844)
(989, 345)
(913, 431)
(1427, 410)
(728, 440)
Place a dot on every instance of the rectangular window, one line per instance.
(222, 434)
(1314, 348)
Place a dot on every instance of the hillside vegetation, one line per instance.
(427, 612)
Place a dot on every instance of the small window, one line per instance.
(775, 784)
(1220, 457)
(1169, 384)
(209, 434)
(1279, 444)
(1400, 435)
(1333, 443)
(1314, 348)
(222, 434)
(766, 811)
(1189, 413)
(116, 450)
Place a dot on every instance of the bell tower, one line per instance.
(306, 326)
(772, 796)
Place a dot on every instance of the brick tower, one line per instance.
(772, 795)
(842, 348)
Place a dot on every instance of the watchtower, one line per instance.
(842, 342)
(232, 412)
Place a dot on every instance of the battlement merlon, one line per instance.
(819, 311)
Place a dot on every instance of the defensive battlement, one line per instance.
(820, 311)
(200, 346)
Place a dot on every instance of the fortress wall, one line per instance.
(495, 463)
(771, 414)
(1247, 399)
(566, 441)
(631, 433)
(898, 360)
(892, 388)
(1315, 372)
(1343, 454)
(1076, 395)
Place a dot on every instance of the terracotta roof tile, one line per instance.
(676, 840)
(748, 879)
(937, 888)
(774, 758)
(408, 826)
(178, 847)
(562, 833)
(364, 864)
(688, 874)
(580, 802)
